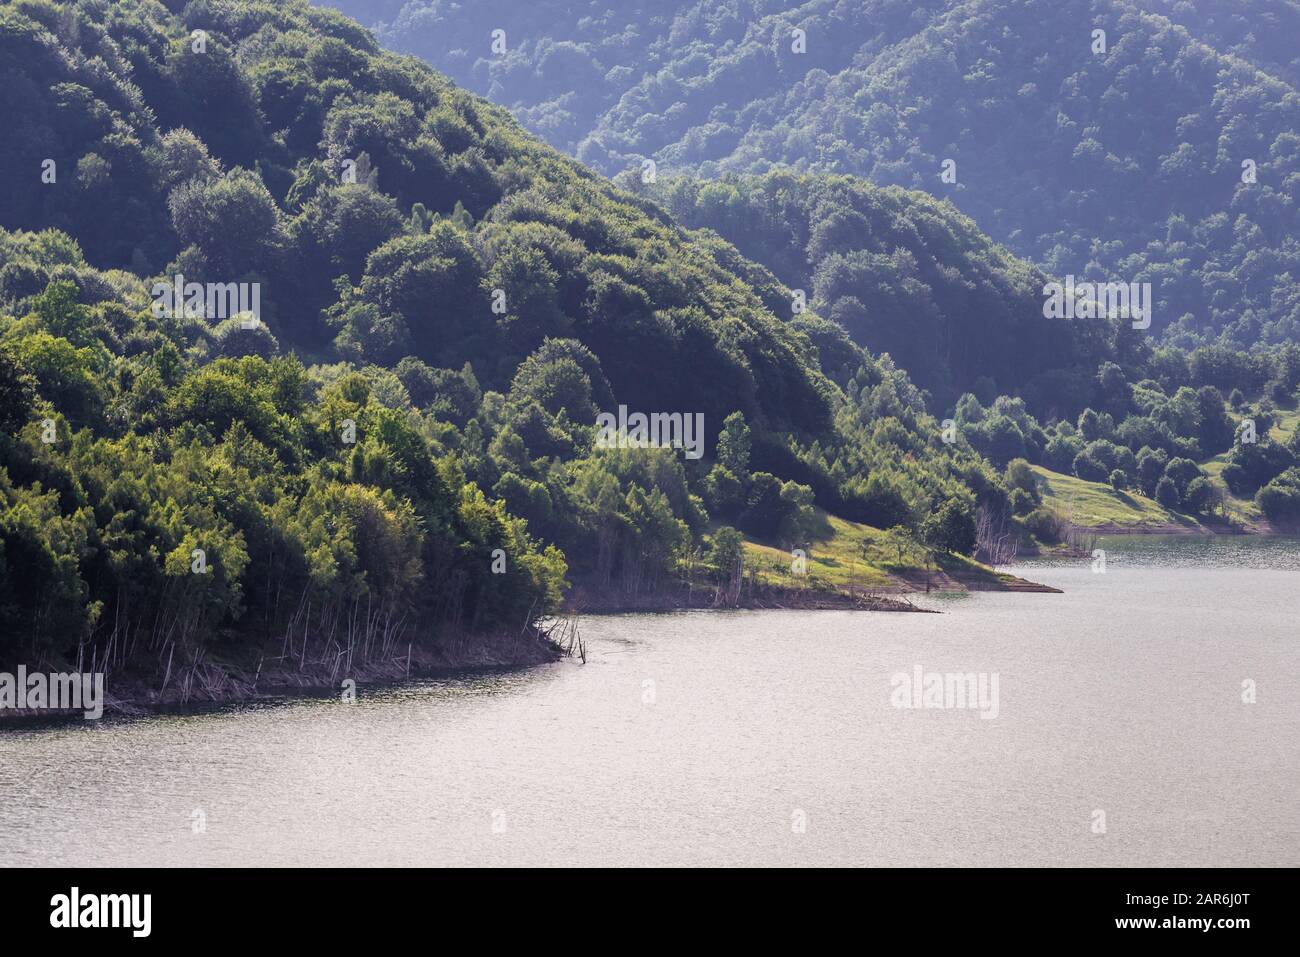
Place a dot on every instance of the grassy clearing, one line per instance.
(844, 554)
(1284, 428)
(1095, 504)
(1241, 510)
(1244, 510)
(835, 558)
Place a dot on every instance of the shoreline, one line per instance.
(252, 677)
(1173, 528)
(1263, 529)
(588, 601)
(764, 596)
(213, 685)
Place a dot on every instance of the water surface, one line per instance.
(763, 738)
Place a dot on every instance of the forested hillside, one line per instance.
(1164, 151)
(403, 429)
(1261, 32)
(912, 277)
(1086, 397)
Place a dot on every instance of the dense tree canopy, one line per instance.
(1167, 153)
(402, 427)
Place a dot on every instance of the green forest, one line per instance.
(1166, 151)
(378, 413)
(405, 432)
(1091, 398)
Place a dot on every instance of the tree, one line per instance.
(558, 384)
(67, 377)
(233, 220)
(17, 391)
(724, 493)
(1167, 493)
(232, 339)
(734, 444)
(1004, 441)
(1020, 475)
(950, 529)
(902, 541)
(1199, 496)
(1181, 471)
(727, 553)
(1280, 499)
(62, 315)
(1092, 426)
(1086, 466)
(1150, 467)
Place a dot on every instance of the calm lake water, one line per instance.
(764, 738)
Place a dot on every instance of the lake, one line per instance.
(1121, 737)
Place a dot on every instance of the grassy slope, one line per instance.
(1287, 420)
(836, 559)
(1094, 504)
(1244, 509)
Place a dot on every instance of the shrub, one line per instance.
(1167, 493)
(950, 529)
(1199, 496)
(1022, 503)
(1279, 500)
(1087, 467)
(1045, 525)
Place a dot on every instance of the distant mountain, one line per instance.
(1261, 32)
(1167, 153)
(912, 276)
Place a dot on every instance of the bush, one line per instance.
(1119, 480)
(1022, 503)
(1199, 496)
(950, 529)
(1087, 467)
(1279, 500)
(1045, 525)
(1167, 493)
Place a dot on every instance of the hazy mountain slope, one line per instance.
(909, 275)
(1262, 32)
(1126, 164)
